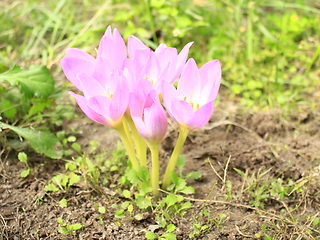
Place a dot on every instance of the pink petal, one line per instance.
(168, 57)
(211, 73)
(135, 105)
(160, 48)
(101, 105)
(168, 94)
(156, 122)
(151, 70)
(113, 49)
(189, 83)
(79, 54)
(136, 111)
(140, 125)
(90, 86)
(102, 72)
(135, 44)
(181, 110)
(83, 104)
(200, 117)
(119, 102)
(182, 57)
(72, 66)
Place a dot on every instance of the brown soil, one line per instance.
(251, 142)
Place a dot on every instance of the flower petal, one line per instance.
(72, 66)
(79, 54)
(135, 44)
(181, 110)
(189, 83)
(119, 102)
(182, 58)
(83, 104)
(200, 117)
(156, 122)
(169, 92)
(211, 74)
(113, 49)
(90, 86)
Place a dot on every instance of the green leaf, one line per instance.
(38, 107)
(151, 235)
(35, 81)
(186, 205)
(187, 190)
(25, 173)
(171, 199)
(74, 227)
(143, 202)
(181, 161)
(8, 109)
(60, 221)
(194, 175)
(126, 193)
(180, 184)
(51, 187)
(22, 157)
(76, 147)
(74, 178)
(130, 208)
(63, 203)
(171, 227)
(63, 230)
(102, 210)
(41, 141)
(169, 236)
(70, 166)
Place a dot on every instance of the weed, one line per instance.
(68, 228)
(22, 157)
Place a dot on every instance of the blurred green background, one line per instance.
(269, 49)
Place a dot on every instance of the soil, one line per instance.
(253, 142)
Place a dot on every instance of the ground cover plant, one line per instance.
(251, 173)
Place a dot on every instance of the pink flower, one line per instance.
(102, 104)
(192, 103)
(148, 114)
(163, 64)
(113, 49)
(77, 61)
(111, 56)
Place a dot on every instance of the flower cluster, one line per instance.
(129, 89)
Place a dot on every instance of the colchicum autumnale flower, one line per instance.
(191, 104)
(126, 92)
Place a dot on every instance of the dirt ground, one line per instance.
(253, 142)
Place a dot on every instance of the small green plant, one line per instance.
(198, 229)
(63, 203)
(81, 168)
(262, 188)
(28, 109)
(167, 235)
(24, 159)
(67, 228)
(139, 198)
(62, 182)
(179, 181)
(219, 221)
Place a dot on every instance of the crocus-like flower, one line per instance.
(162, 64)
(192, 103)
(148, 114)
(103, 105)
(111, 56)
(77, 61)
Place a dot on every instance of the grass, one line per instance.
(269, 52)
